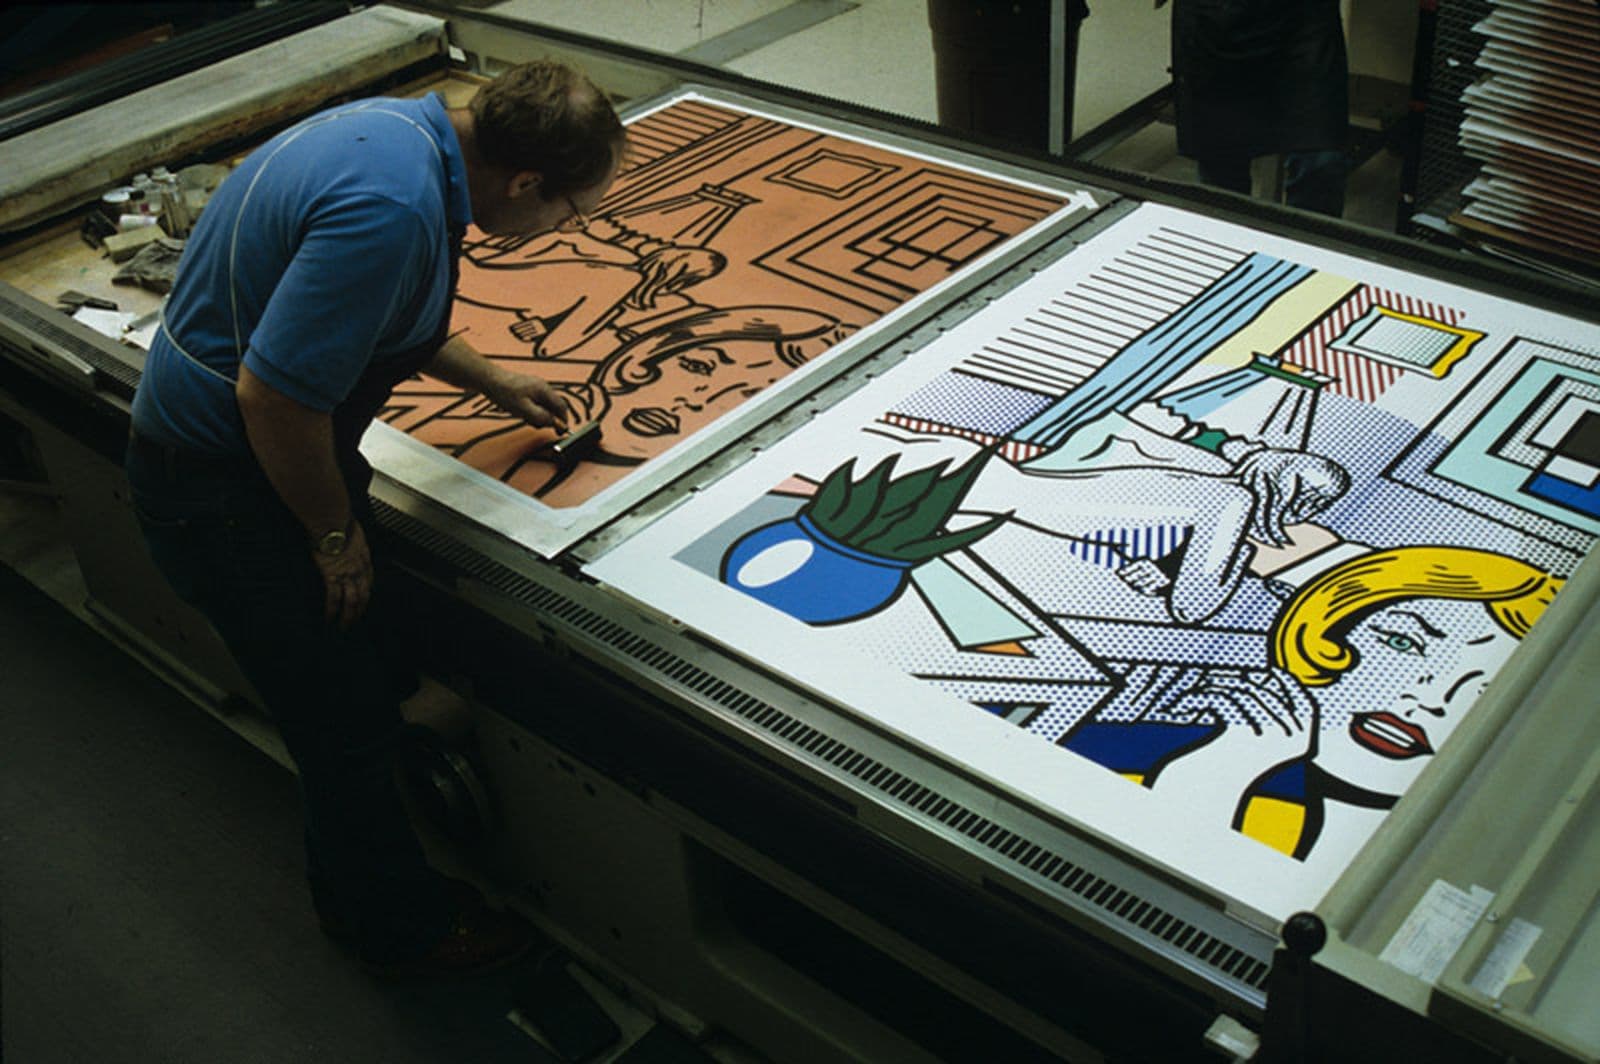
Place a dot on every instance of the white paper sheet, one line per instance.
(1163, 404)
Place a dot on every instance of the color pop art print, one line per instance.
(1203, 539)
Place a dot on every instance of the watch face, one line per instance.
(332, 542)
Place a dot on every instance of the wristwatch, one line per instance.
(332, 544)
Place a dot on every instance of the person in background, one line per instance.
(321, 274)
(992, 67)
(1264, 77)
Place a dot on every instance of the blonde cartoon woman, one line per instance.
(1375, 664)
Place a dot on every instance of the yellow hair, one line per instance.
(1514, 592)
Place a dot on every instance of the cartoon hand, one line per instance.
(1289, 487)
(1261, 722)
(1264, 722)
(1256, 703)
(1145, 577)
(530, 330)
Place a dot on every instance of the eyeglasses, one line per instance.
(576, 222)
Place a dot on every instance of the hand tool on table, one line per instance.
(571, 448)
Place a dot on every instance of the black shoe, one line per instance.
(480, 939)
(460, 895)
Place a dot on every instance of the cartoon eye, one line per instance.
(1400, 643)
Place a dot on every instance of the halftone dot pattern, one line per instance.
(1383, 513)
(1388, 512)
(1147, 689)
(964, 401)
(1244, 647)
(1058, 581)
(909, 638)
(1051, 724)
(1110, 654)
(1356, 375)
(1518, 448)
(1389, 515)
(1362, 438)
(1404, 341)
(1197, 695)
(1064, 704)
(1393, 673)
(905, 636)
(1398, 673)
(1259, 700)
(1069, 587)
(920, 647)
(1232, 700)
(1380, 511)
(1415, 464)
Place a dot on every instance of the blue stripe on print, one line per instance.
(1158, 357)
(1112, 548)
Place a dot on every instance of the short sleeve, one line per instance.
(356, 269)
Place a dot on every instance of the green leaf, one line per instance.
(900, 499)
(934, 510)
(831, 497)
(959, 481)
(866, 497)
(922, 550)
(881, 513)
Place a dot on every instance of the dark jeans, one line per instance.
(225, 542)
(1312, 180)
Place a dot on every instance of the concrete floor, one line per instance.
(153, 904)
(150, 886)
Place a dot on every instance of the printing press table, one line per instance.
(898, 824)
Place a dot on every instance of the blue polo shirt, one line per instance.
(327, 250)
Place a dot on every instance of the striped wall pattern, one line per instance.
(1114, 547)
(1013, 451)
(1062, 342)
(1356, 376)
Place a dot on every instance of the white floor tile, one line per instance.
(878, 55)
(669, 26)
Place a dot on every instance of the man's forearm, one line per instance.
(458, 363)
(294, 445)
(522, 395)
(461, 364)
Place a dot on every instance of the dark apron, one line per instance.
(355, 415)
(1257, 77)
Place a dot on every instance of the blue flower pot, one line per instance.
(794, 566)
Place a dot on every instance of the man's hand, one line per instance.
(294, 445)
(346, 579)
(521, 395)
(528, 397)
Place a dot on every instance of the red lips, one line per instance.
(1387, 734)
